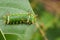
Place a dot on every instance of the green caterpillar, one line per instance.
(20, 18)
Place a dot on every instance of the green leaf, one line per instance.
(16, 32)
(29, 32)
(13, 6)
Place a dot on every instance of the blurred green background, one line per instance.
(49, 15)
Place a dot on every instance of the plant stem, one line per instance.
(41, 31)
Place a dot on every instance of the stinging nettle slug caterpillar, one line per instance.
(18, 18)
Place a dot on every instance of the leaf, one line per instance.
(2, 36)
(29, 32)
(10, 31)
(13, 6)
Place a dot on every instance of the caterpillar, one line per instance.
(18, 18)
